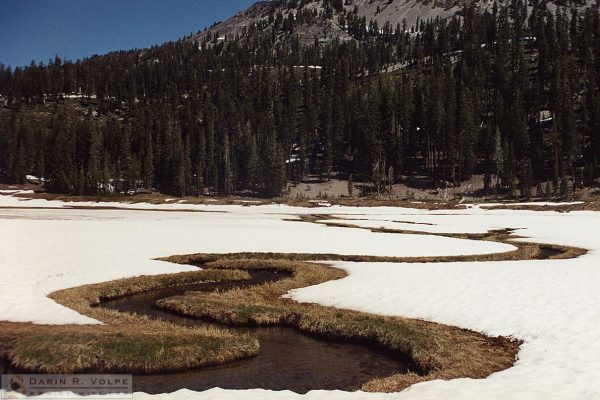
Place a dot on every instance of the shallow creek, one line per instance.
(288, 360)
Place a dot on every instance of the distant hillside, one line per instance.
(334, 14)
(264, 14)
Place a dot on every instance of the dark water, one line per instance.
(547, 252)
(288, 360)
(4, 368)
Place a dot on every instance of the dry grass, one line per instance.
(84, 299)
(587, 205)
(126, 343)
(157, 198)
(591, 202)
(524, 251)
(138, 345)
(433, 351)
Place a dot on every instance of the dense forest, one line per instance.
(509, 93)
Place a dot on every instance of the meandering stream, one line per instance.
(287, 360)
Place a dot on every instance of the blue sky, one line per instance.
(72, 29)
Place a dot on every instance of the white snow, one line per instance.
(44, 250)
(421, 223)
(309, 66)
(14, 192)
(553, 305)
(77, 96)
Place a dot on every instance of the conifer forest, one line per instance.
(511, 93)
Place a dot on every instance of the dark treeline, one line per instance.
(508, 94)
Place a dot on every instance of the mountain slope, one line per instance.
(264, 15)
(332, 15)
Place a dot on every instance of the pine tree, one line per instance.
(148, 162)
(94, 158)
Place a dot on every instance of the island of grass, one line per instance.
(125, 343)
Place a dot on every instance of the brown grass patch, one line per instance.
(524, 251)
(126, 343)
(591, 203)
(157, 198)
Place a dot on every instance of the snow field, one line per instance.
(552, 305)
(44, 250)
